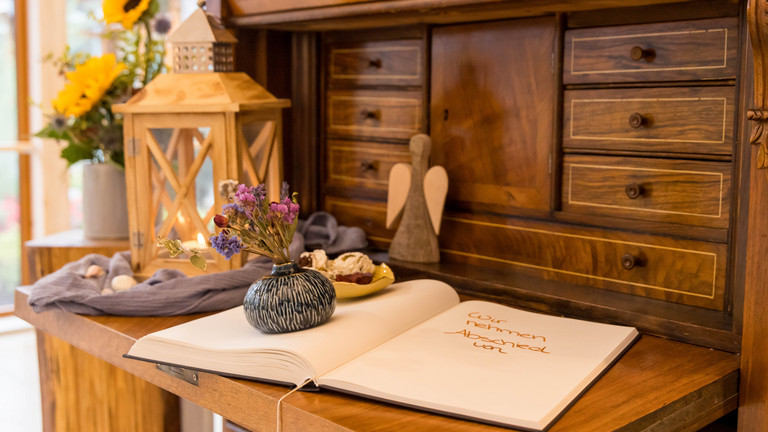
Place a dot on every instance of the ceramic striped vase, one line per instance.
(289, 299)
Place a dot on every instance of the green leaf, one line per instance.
(198, 261)
(172, 246)
(75, 153)
(49, 132)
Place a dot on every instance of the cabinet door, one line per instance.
(492, 112)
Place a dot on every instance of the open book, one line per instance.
(414, 344)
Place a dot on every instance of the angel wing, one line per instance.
(397, 193)
(435, 190)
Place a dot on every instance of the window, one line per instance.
(10, 227)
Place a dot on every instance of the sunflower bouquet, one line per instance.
(82, 111)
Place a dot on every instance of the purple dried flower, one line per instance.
(59, 122)
(286, 210)
(284, 191)
(293, 209)
(162, 25)
(260, 192)
(244, 194)
(225, 245)
(231, 210)
(251, 223)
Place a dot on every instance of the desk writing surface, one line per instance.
(656, 382)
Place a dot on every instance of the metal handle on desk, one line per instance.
(629, 261)
(633, 190)
(636, 121)
(638, 53)
(368, 166)
(369, 115)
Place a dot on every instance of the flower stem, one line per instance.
(148, 52)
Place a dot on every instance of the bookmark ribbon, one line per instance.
(280, 402)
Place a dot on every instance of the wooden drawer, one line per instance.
(389, 62)
(371, 216)
(686, 120)
(363, 164)
(680, 271)
(676, 191)
(378, 114)
(687, 50)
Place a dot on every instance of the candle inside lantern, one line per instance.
(199, 244)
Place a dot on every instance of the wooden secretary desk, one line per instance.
(599, 154)
(598, 151)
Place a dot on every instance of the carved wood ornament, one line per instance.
(757, 16)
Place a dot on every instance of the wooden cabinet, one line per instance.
(601, 159)
(670, 51)
(374, 114)
(492, 111)
(675, 191)
(660, 153)
(373, 103)
(690, 120)
(364, 165)
(674, 270)
(376, 62)
(662, 90)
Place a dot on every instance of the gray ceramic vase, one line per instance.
(289, 299)
(105, 207)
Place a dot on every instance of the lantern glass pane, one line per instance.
(182, 198)
(205, 190)
(258, 138)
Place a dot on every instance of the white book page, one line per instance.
(487, 361)
(226, 343)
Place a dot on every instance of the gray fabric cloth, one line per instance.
(167, 292)
(321, 231)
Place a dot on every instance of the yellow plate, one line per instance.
(382, 277)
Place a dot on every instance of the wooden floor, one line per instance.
(19, 385)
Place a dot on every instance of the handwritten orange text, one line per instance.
(488, 343)
(490, 320)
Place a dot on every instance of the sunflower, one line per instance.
(87, 84)
(126, 12)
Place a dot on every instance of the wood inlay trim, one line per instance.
(720, 195)
(363, 50)
(586, 275)
(585, 137)
(719, 66)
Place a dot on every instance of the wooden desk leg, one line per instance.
(82, 393)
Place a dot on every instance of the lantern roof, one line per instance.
(202, 93)
(200, 27)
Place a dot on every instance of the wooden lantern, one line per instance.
(184, 134)
(200, 45)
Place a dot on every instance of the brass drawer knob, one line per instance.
(633, 190)
(638, 53)
(636, 121)
(374, 63)
(629, 261)
(369, 115)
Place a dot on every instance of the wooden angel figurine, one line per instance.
(421, 193)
